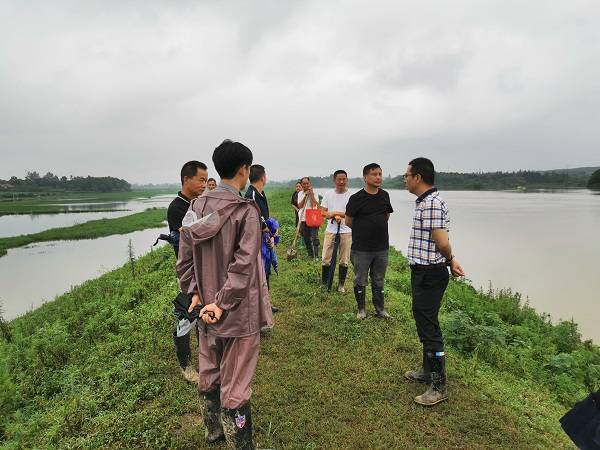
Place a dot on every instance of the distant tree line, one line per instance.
(33, 182)
(523, 179)
(594, 181)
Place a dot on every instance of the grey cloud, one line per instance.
(477, 85)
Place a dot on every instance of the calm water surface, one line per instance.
(14, 225)
(32, 275)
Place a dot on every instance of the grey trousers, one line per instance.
(369, 263)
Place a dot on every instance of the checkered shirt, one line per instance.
(431, 213)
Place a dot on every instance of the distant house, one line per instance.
(5, 185)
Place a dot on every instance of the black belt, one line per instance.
(427, 266)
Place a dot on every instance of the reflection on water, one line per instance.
(31, 275)
(14, 225)
(542, 245)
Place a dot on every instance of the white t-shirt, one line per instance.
(309, 204)
(336, 202)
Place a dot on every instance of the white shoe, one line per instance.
(342, 289)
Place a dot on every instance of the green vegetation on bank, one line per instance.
(96, 367)
(66, 202)
(151, 218)
(521, 180)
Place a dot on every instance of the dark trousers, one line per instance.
(369, 264)
(428, 286)
(311, 239)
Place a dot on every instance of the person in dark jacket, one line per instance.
(193, 182)
(258, 180)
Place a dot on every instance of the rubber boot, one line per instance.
(342, 272)
(211, 415)
(378, 302)
(423, 375)
(436, 391)
(359, 294)
(316, 250)
(237, 425)
(182, 349)
(324, 275)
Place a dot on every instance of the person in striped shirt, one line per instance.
(429, 255)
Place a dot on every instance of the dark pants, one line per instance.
(428, 286)
(369, 263)
(311, 239)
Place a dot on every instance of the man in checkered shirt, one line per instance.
(429, 255)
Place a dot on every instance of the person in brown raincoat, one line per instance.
(220, 264)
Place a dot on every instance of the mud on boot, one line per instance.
(436, 391)
(422, 375)
(359, 295)
(378, 303)
(237, 425)
(210, 403)
(342, 272)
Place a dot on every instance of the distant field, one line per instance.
(46, 203)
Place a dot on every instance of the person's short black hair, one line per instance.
(304, 178)
(370, 167)
(337, 172)
(190, 169)
(211, 179)
(423, 167)
(229, 157)
(256, 172)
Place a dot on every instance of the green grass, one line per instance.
(42, 203)
(96, 368)
(151, 218)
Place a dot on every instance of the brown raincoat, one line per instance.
(219, 259)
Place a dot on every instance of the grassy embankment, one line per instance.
(151, 218)
(61, 202)
(96, 368)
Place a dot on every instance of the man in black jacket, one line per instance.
(258, 180)
(193, 183)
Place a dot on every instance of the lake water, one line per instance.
(14, 225)
(543, 245)
(32, 275)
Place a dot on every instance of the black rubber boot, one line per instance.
(342, 272)
(436, 391)
(423, 375)
(359, 295)
(237, 425)
(378, 302)
(182, 348)
(211, 415)
(324, 275)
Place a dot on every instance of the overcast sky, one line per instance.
(135, 88)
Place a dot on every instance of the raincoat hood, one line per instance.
(204, 226)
